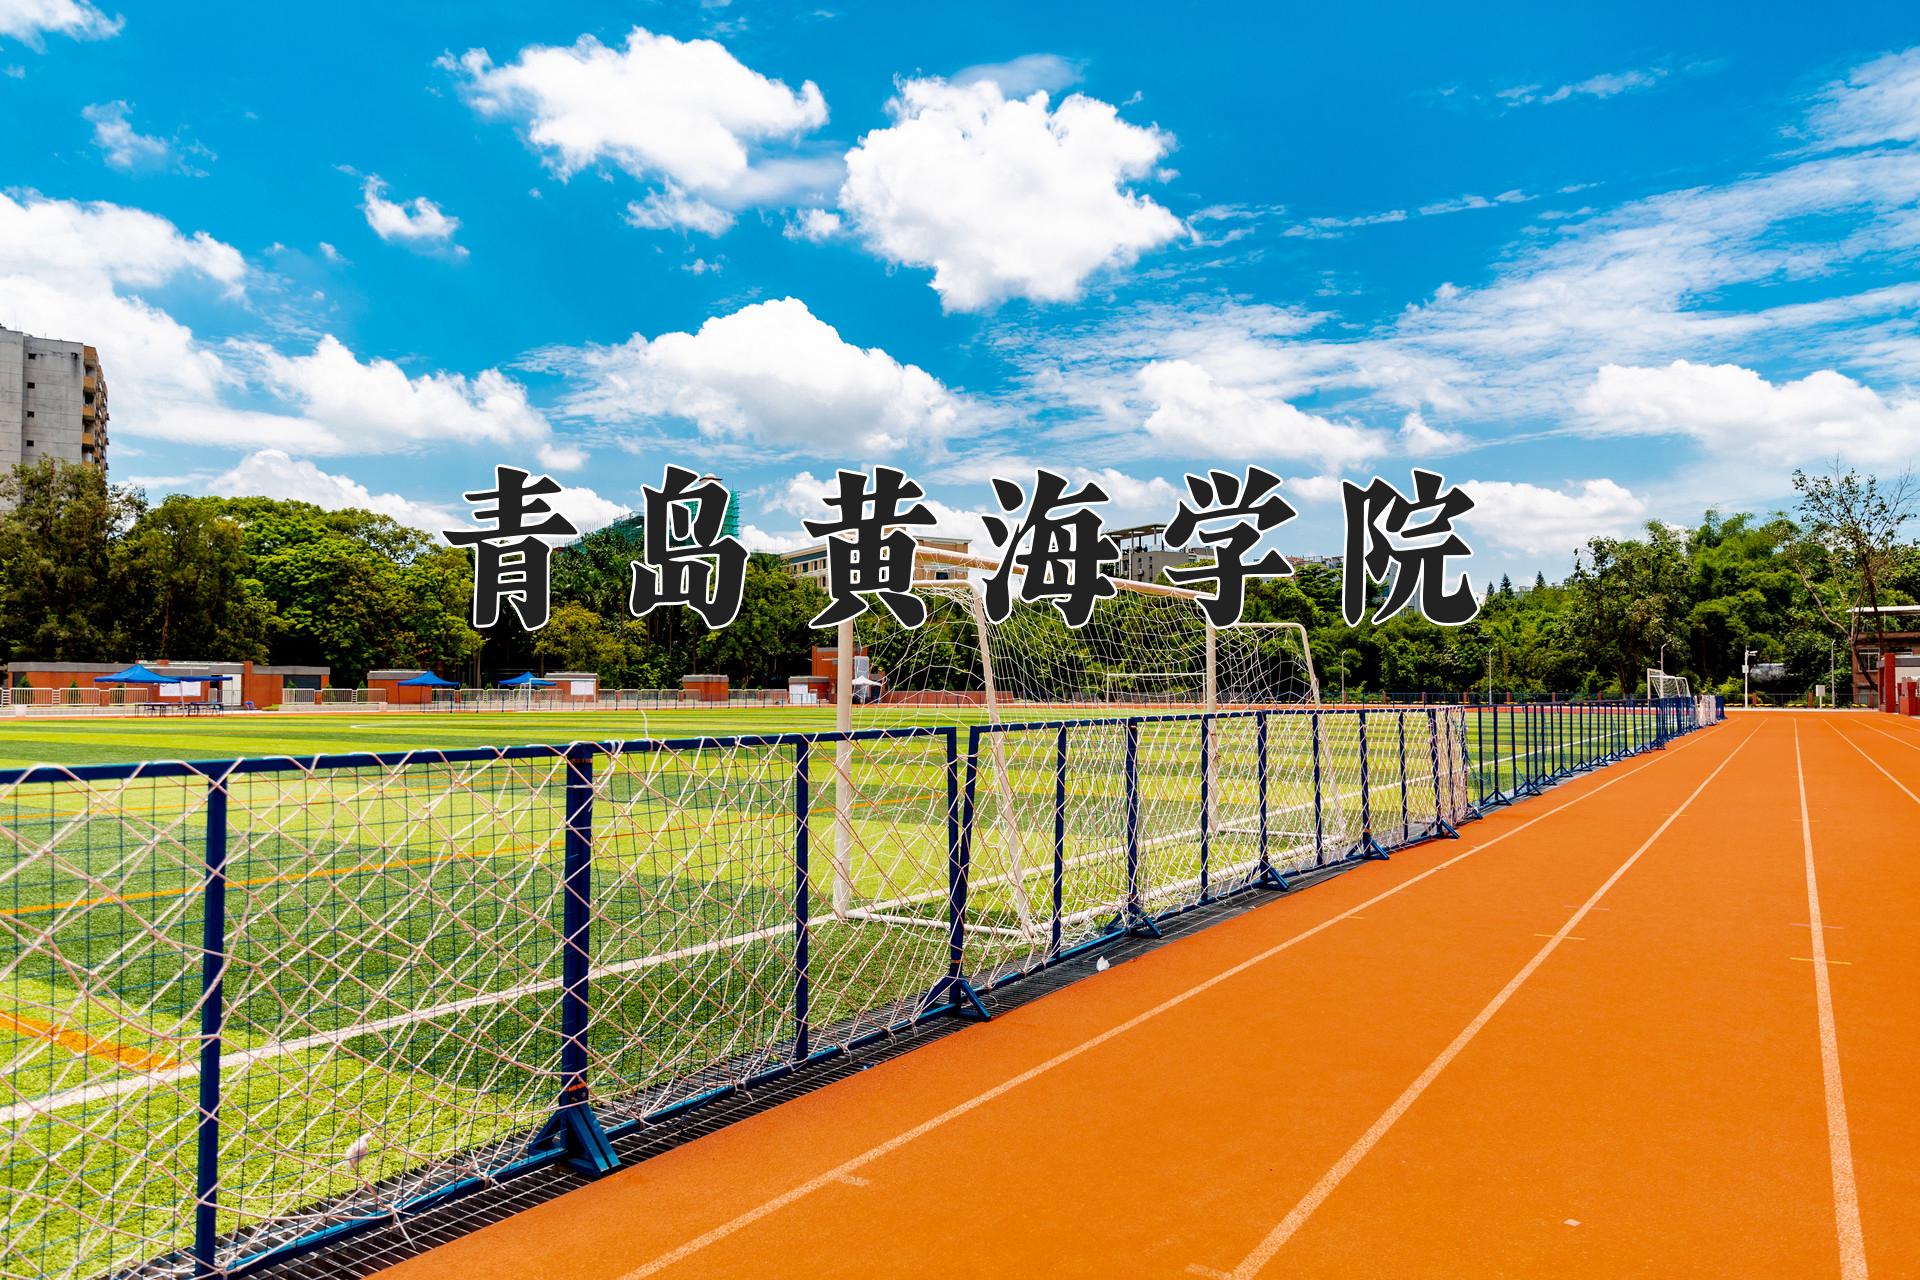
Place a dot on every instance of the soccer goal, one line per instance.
(1148, 651)
(1661, 686)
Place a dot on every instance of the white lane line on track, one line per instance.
(1288, 1226)
(852, 1165)
(1846, 1194)
(1875, 763)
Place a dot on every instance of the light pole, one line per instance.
(1833, 675)
(1746, 681)
(1663, 657)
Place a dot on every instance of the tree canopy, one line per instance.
(89, 571)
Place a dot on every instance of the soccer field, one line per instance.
(396, 934)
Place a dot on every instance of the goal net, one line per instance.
(1661, 686)
(1041, 710)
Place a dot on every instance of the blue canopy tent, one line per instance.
(431, 681)
(526, 680)
(136, 674)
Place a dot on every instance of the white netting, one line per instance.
(1661, 686)
(397, 939)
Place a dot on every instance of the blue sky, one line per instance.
(1599, 265)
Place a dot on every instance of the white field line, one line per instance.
(1277, 1238)
(282, 1048)
(852, 1165)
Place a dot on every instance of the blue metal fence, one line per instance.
(683, 965)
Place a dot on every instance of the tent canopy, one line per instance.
(526, 680)
(431, 680)
(136, 674)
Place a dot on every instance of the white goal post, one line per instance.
(1661, 686)
(1148, 648)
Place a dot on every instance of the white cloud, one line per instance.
(107, 244)
(1877, 102)
(1005, 198)
(812, 224)
(1606, 85)
(803, 496)
(28, 20)
(272, 473)
(754, 538)
(1735, 412)
(1417, 438)
(418, 222)
(1327, 227)
(1543, 522)
(122, 146)
(375, 407)
(666, 210)
(1195, 415)
(586, 509)
(770, 373)
(686, 114)
(1028, 73)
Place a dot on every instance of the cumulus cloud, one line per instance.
(1735, 412)
(418, 222)
(1419, 439)
(108, 244)
(664, 210)
(1879, 101)
(120, 144)
(803, 495)
(376, 407)
(272, 473)
(812, 224)
(1544, 522)
(1005, 197)
(770, 373)
(1194, 414)
(1028, 73)
(28, 20)
(686, 114)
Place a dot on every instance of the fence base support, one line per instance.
(1271, 879)
(961, 994)
(576, 1130)
(1442, 830)
(1134, 920)
(1370, 849)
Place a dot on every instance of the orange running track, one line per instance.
(1662, 1021)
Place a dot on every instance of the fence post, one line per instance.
(1441, 827)
(213, 963)
(802, 923)
(1319, 822)
(1059, 835)
(1134, 914)
(954, 989)
(1406, 818)
(1368, 846)
(1492, 796)
(574, 1127)
(1206, 767)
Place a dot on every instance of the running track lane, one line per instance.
(1168, 1111)
(1650, 1102)
(1866, 831)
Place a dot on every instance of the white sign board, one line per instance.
(189, 688)
(582, 688)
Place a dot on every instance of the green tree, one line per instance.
(57, 597)
(182, 573)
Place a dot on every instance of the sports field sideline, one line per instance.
(1660, 1021)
